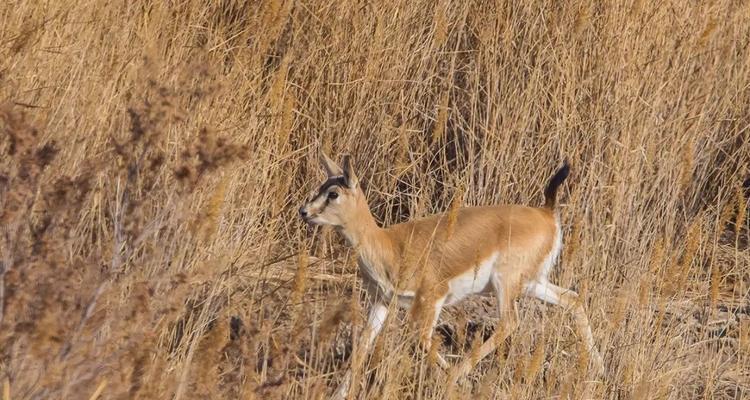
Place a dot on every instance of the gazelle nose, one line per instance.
(302, 212)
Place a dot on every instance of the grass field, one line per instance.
(154, 155)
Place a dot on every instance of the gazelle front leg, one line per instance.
(429, 328)
(378, 314)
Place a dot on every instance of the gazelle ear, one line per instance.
(351, 178)
(332, 169)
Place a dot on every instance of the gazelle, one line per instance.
(428, 263)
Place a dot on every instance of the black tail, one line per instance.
(550, 193)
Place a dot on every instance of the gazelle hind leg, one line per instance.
(508, 323)
(551, 293)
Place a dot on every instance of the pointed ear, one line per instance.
(332, 169)
(351, 178)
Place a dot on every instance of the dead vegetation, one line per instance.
(154, 156)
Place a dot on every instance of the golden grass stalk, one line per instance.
(434, 350)
(355, 311)
(99, 390)
(707, 33)
(300, 278)
(331, 320)
(636, 8)
(278, 87)
(567, 389)
(209, 358)
(671, 283)
(726, 214)
(573, 240)
(657, 256)
(620, 301)
(714, 284)
(476, 345)
(739, 221)
(455, 206)
(440, 22)
(661, 312)
(519, 371)
(688, 160)
(744, 338)
(272, 17)
(692, 244)
(582, 360)
(442, 117)
(535, 363)
(212, 211)
(644, 290)
(628, 373)
(287, 122)
(583, 20)
(402, 159)
(643, 388)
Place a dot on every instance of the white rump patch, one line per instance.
(475, 280)
(553, 255)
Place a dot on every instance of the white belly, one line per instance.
(475, 280)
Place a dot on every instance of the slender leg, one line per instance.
(508, 323)
(427, 333)
(554, 294)
(378, 314)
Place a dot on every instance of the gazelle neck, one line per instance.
(373, 245)
(361, 230)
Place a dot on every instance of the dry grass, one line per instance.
(154, 155)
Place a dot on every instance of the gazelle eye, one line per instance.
(332, 195)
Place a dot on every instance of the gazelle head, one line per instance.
(338, 199)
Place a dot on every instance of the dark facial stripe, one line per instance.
(332, 181)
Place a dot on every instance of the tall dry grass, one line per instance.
(154, 155)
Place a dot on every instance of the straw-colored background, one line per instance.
(155, 153)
